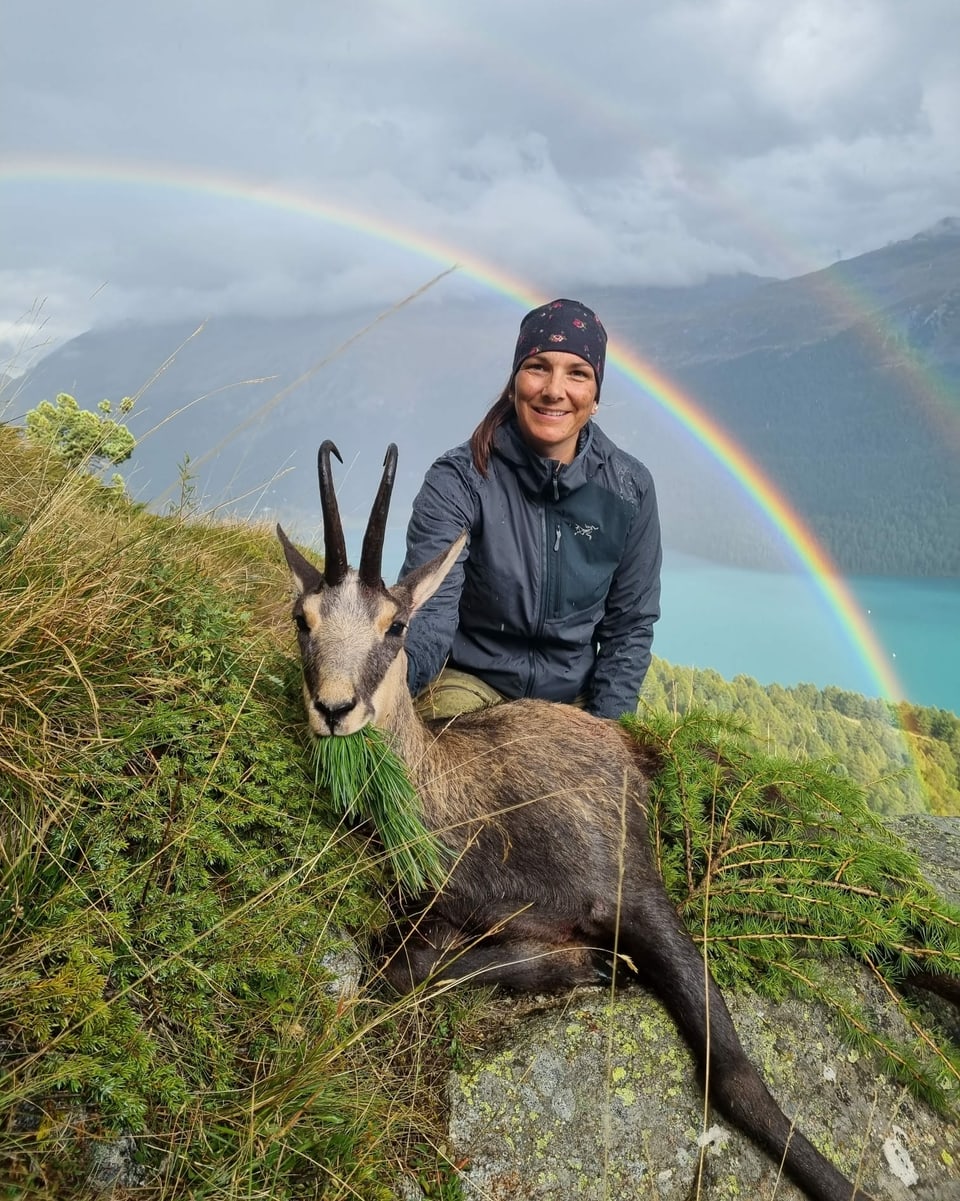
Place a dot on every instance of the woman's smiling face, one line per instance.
(554, 395)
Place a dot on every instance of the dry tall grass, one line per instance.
(171, 884)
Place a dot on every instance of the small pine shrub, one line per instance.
(82, 436)
(779, 868)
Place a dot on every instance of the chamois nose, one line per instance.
(333, 714)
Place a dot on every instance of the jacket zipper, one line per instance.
(549, 576)
(542, 607)
(553, 569)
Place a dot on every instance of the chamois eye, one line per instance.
(397, 629)
(301, 623)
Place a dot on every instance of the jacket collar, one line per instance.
(543, 478)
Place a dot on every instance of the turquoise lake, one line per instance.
(780, 628)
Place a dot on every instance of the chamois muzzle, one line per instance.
(372, 554)
(335, 563)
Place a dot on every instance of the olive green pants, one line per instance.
(454, 692)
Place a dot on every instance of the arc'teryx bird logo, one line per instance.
(585, 531)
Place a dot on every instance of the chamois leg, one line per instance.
(655, 939)
(520, 960)
(947, 987)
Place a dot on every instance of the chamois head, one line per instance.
(350, 626)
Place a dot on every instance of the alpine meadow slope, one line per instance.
(178, 892)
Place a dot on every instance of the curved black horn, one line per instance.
(334, 548)
(372, 553)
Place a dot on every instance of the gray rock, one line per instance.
(113, 1166)
(408, 1190)
(936, 842)
(594, 1099)
(344, 963)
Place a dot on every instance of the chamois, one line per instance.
(543, 807)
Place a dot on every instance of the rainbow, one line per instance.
(657, 386)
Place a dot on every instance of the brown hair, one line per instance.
(481, 440)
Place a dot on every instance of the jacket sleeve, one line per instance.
(625, 633)
(444, 507)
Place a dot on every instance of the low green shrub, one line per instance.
(779, 867)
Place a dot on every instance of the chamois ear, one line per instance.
(423, 581)
(306, 577)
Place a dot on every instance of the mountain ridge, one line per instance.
(842, 386)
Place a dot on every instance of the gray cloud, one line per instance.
(610, 143)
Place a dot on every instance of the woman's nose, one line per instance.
(554, 385)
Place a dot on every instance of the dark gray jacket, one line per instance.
(556, 594)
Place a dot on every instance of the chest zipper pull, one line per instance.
(556, 544)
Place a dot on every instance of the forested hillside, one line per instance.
(838, 422)
(906, 757)
(844, 385)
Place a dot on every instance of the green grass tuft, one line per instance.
(367, 782)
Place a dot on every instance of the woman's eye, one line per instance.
(301, 623)
(397, 629)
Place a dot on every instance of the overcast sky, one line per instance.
(603, 141)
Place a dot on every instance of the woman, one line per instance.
(557, 591)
